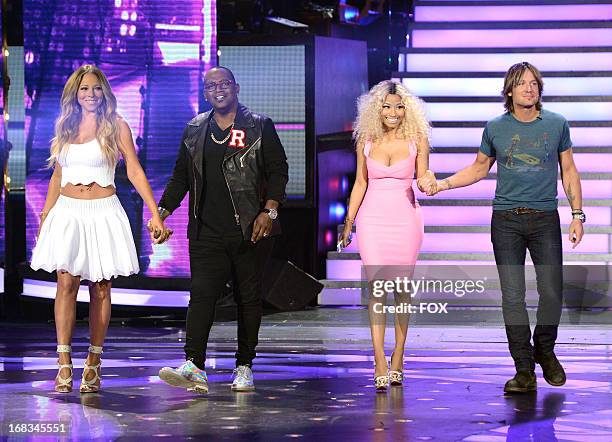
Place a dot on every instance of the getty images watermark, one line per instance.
(440, 293)
(408, 288)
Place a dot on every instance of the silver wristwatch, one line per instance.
(163, 213)
(272, 213)
(579, 214)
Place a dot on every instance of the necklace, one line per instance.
(223, 141)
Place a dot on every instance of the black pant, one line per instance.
(214, 261)
(512, 235)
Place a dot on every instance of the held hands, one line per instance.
(427, 183)
(158, 231)
(576, 231)
(261, 227)
(438, 186)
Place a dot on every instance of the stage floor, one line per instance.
(314, 382)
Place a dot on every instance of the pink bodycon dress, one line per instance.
(389, 222)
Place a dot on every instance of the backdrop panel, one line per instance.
(153, 53)
(273, 81)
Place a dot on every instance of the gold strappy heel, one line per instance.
(396, 377)
(62, 384)
(89, 386)
(381, 382)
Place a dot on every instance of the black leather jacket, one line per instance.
(251, 176)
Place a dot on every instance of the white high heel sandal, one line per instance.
(89, 386)
(62, 384)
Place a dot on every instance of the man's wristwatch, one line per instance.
(163, 213)
(272, 213)
(579, 214)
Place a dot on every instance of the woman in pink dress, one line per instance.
(392, 137)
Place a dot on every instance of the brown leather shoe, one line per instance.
(522, 382)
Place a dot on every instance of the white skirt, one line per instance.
(87, 238)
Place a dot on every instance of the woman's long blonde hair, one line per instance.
(67, 124)
(369, 126)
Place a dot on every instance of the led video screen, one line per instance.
(272, 81)
(153, 53)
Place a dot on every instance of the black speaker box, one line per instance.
(287, 287)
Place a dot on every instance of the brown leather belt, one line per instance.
(524, 210)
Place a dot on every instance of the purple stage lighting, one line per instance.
(471, 136)
(491, 86)
(329, 237)
(573, 111)
(512, 13)
(511, 38)
(485, 189)
(336, 211)
(500, 62)
(344, 184)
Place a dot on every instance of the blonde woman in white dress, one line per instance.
(84, 232)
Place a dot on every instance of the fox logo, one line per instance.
(237, 139)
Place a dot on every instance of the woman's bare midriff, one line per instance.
(87, 191)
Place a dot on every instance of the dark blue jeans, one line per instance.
(512, 235)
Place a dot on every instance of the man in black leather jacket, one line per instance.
(234, 167)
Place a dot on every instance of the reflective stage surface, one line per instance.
(313, 377)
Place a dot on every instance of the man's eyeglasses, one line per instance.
(212, 86)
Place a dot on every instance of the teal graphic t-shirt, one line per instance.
(527, 156)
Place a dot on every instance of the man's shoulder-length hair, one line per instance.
(512, 78)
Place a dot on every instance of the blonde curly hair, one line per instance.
(369, 126)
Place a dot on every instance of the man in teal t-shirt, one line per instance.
(527, 156)
(528, 143)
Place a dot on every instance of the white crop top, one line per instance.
(85, 164)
